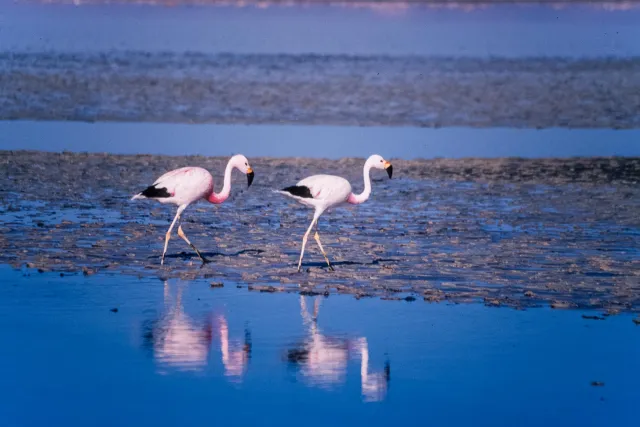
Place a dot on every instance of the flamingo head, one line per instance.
(241, 163)
(378, 162)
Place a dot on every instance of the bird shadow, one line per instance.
(208, 255)
(342, 263)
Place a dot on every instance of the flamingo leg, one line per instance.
(184, 237)
(168, 235)
(304, 239)
(317, 237)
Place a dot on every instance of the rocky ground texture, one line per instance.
(509, 232)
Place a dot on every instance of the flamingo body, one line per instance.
(320, 191)
(323, 192)
(180, 186)
(187, 185)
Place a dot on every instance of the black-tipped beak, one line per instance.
(389, 169)
(250, 176)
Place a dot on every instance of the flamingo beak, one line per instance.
(250, 176)
(388, 168)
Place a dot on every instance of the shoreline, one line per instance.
(507, 231)
(391, 295)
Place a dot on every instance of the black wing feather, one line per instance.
(155, 193)
(299, 190)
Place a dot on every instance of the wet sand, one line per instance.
(513, 232)
(310, 89)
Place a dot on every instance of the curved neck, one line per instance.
(356, 199)
(226, 187)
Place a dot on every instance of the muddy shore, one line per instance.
(509, 232)
(310, 89)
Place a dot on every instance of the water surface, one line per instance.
(182, 352)
(332, 142)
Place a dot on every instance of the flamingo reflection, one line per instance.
(236, 353)
(322, 360)
(181, 343)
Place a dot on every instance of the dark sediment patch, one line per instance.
(510, 232)
(321, 89)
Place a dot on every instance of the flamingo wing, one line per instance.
(326, 187)
(186, 184)
(176, 172)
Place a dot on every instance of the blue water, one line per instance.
(315, 141)
(68, 360)
(502, 30)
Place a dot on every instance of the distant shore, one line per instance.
(310, 89)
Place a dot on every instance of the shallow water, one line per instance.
(183, 352)
(327, 142)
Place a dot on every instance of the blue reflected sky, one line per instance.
(447, 364)
(315, 141)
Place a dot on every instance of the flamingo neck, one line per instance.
(226, 187)
(356, 199)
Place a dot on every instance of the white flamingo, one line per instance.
(322, 192)
(187, 185)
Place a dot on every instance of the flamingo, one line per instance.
(187, 185)
(323, 192)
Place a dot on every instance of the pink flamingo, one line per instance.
(187, 185)
(327, 191)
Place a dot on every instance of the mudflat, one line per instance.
(321, 89)
(516, 232)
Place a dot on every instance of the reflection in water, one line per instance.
(322, 360)
(235, 354)
(181, 343)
